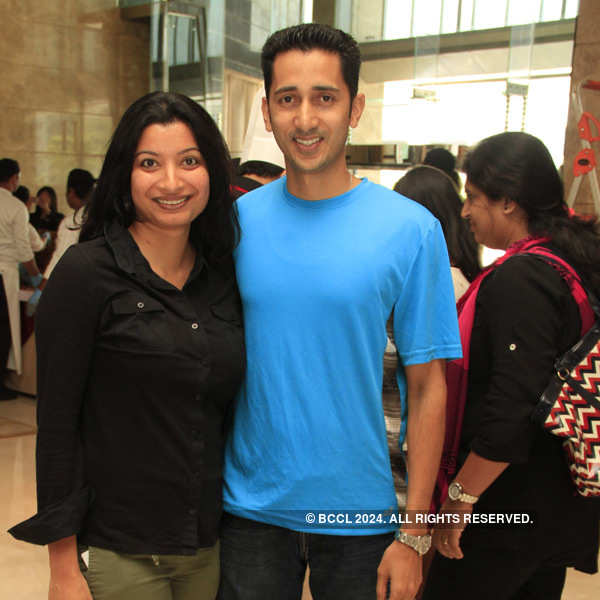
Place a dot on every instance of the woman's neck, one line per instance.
(170, 254)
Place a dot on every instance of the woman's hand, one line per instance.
(66, 580)
(447, 540)
(69, 587)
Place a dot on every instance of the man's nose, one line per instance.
(306, 118)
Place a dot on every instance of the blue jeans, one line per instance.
(265, 562)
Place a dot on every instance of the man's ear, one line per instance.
(266, 114)
(356, 110)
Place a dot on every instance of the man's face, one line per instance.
(14, 181)
(309, 110)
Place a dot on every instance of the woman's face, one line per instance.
(44, 201)
(170, 184)
(486, 218)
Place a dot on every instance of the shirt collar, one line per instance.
(129, 258)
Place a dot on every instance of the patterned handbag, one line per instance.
(570, 405)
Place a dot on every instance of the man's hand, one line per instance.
(401, 567)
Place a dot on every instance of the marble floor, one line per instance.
(24, 568)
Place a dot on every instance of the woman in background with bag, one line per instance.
(516, 318)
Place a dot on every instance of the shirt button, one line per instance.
(194, 325)
(512, 347)
(140, 305)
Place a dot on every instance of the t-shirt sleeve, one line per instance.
(521, 311)
(425, 319)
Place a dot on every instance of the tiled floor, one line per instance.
(24, 568)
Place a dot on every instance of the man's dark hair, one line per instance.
(311, 36)
(261, 168)
(22, 193)
(8, 168)
(216, 228)
(81, 182)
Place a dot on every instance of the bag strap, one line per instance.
(586, 301)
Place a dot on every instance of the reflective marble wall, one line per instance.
(69, 70)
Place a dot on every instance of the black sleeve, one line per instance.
(523, 311)
(65, 329)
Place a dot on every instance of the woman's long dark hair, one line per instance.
(216, 228)
(518, 166)
(436, 191)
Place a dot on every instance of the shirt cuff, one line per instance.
(56, 521)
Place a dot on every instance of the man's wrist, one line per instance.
(420, 543)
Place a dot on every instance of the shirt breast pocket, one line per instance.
(139, 324)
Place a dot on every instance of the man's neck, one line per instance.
(320, 185)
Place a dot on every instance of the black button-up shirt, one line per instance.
(135, 380)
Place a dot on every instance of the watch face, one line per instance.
(454, 491)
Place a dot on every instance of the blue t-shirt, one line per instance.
(318, 281)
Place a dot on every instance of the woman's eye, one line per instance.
(147, 163)
(190, 161)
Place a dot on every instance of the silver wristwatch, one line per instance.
(456, 493)
(419, 543)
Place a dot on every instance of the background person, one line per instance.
(38, 243)
(444, 160)
(434, 189)
(140, 353)
(15, 248)
(46, 216)
(80, 185)
(516, 319)
(253, 174)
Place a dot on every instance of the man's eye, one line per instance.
(327, 98)
(287, 99)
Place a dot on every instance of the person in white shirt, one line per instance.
(80, 184)
(15, 248)
(38, 242)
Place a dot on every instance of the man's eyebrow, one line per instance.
(326, 88)
(318, 88)
(286, 88)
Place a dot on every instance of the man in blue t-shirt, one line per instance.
(323, 261)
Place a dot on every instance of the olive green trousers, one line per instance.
(114, 576)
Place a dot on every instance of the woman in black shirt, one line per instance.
(140, 354)
(517, 317)
(46, 216)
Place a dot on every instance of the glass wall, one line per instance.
(374, 20)
(455, 90)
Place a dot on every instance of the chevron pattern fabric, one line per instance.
(575, 416)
